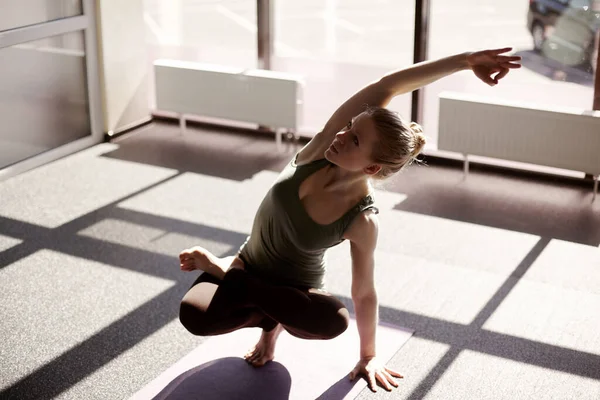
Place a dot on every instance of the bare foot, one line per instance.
(199, 258)
(264, 351)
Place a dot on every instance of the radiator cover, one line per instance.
(566, 138)
(267, 98)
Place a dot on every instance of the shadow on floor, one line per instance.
(232, 378)
(228, 155)
(339, 390)
(537, 204)
(476, 338)
(78, 362)
(229, 378)
(579, 223)
(435, 192)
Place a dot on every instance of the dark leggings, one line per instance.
(240, 300)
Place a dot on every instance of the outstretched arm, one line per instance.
(489, 65)
(364, 294)
(363, 239)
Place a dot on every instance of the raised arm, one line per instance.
(489, 66)
(483, 63)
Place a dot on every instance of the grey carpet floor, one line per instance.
(498, 275)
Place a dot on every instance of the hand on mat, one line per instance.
(489, 62)
(375, 371)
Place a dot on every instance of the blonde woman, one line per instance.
(322, 197)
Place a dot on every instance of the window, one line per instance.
(558, 75)
(19, 13)
(340, 47)
(43, 96)
(222, 32)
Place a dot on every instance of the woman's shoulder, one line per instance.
(314, 149)
(363, 229)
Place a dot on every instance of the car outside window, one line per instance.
(580, 3)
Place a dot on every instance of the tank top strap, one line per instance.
(367, 203)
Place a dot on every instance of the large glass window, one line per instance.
(19, 13)
(340, 46)
(217, 32)
(553, 38)
(43, 96)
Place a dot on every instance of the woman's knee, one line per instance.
(333, 314)
(193, 319)
(336, 324)
(341, 321)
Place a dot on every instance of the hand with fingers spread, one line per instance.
(486, 63)
(374, 371)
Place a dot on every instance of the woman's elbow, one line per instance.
(364, 296)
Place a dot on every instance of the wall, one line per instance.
(124, 70)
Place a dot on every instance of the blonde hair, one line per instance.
(399, 144)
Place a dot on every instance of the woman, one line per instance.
(322, 197)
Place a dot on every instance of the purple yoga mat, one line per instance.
(302, 369)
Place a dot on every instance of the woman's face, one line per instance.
(352, 147)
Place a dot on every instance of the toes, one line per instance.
(255, 357)
(251, 359)
(199, 253)
(187, 265)
(260, 362)
(250, 355)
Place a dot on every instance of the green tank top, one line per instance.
(286, 245)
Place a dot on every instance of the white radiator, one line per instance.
(565, 138)
(267, 98)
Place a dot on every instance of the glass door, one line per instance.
(49, 85)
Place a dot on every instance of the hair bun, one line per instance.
(416, 128)
(419, 138)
